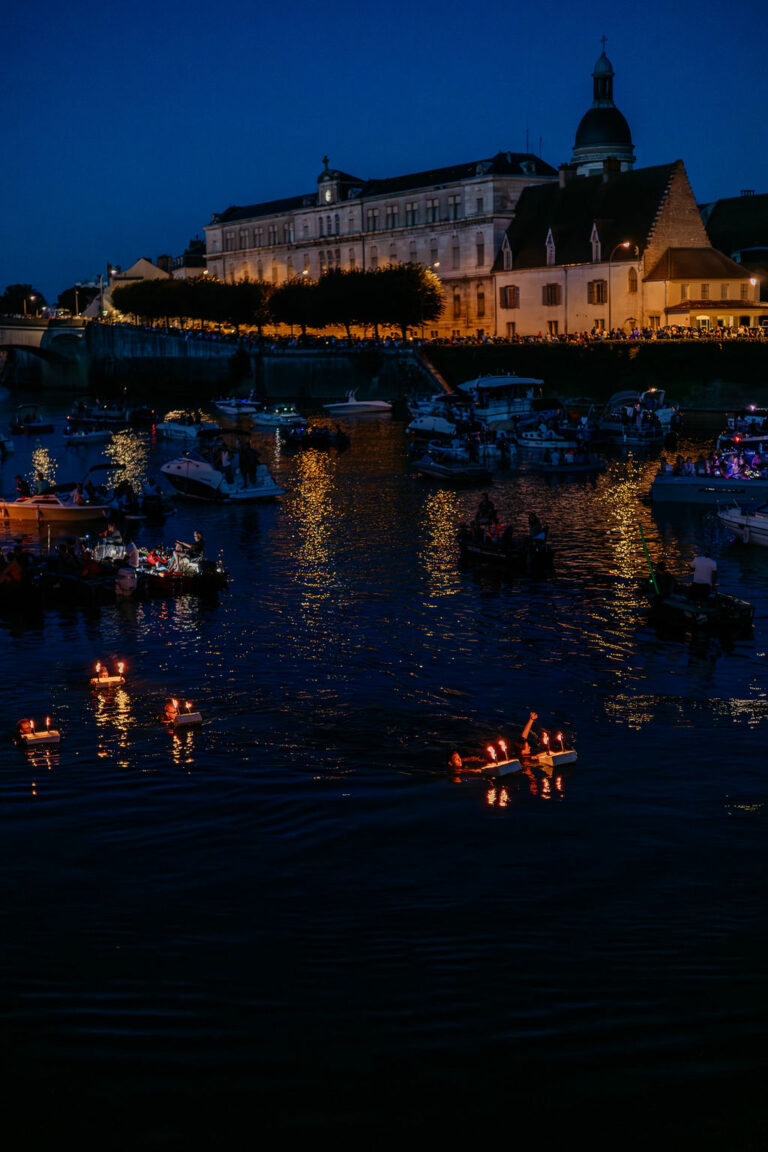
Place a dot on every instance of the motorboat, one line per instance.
(86, 410)
(667, 488)
(543, 438)
(186, 428)
(278, 416)
(438, 466)
(28, 421)
(300, 436)
(49, 507)
(749, 527)
(503, 398)
(235, 406)
(86, 432)
(747, 429)
(444, 415)
(719, 612)
(646, 415)
(194, 476)
(471, 449)
(351, 406)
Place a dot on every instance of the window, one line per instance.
(655, 322)
(229, 242)
(509, 297)
(745, 291)
(287, 233)
(374, 257)
(507, 258)
(723, 291)
(597, 292)
(480, 302)
(456, 255)
(393, 254)
(683, 291)
(243, 239)
(352, 262)
(596, 247)
(323, 265)
(433, 210)
(457, 305)
(599, 324)
(306, 265)
(479, 250)
(511, 328)
(336, 225)
(272, 234)
(373, 219)
(413, 253)
(479, 208)
(552, 327)
(274, 271)
(705, 291)
(392, 216)
(433, 254)
(631, 280)
(289, 268)
(259, 271)
(411, 214)
(305, 229)
(454, 204)
(550, 294)
(337, 257)
(550, 248)
(351, 222)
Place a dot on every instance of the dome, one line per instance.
(603, 67)
(602, 126)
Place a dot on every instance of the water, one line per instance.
(296, 919)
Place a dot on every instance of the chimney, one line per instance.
(565, 174)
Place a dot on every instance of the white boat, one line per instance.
(86, 435)
(670, 489)
(49, 507)
(542, 438)
(637, 417)
(745, 430)
(505, 397)
(445, 415)
(239, 405)
(352, 405)
(749, 527)
(194, 476)
(186, 429)
(278, 416)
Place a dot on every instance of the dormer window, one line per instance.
(596, 247)
(550, 248)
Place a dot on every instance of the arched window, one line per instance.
(289, 268)
(336, 227)
(631, 280)
(596, 246)
(259, 271)
(457, 305)
(550, 248)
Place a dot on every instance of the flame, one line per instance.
(491, 751)
(32, 725)
(503, 747)
(98, 667)
(188, 705)
(120, 668)
(175, 704)
(545, 738)
(560, 738)
(47, 721)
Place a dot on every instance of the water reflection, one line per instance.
(183, 747)
(129, 453)
(114, 717)
(438, 552)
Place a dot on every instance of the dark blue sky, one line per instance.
(126, 127)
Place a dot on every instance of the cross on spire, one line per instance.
(602, 40)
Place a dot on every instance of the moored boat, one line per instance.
(277, 416)
(667, 488)
(749, 527)
(503, 397)
(502, 547)
(48, 507)
(638, 417)
(194, 476)
(438, 466)
(352, 406)
(28, 421)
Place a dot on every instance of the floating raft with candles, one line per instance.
(104, 679)
(26, 733)
(177, 717)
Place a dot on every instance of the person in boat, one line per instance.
(22, 487)
(170, 712)
(131, 558)
(184, 554)
(77, 496)
(486, 511)
(536, 530)
(704, 576)
(111, 535)
(41, 484)
(24, 728)
(665, 581)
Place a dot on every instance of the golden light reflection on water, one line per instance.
(114, 717)
(638, 711)
(438, 552)
(42, 461)
(311, 509)
(183, 747)
(129, 453)
(43, 758)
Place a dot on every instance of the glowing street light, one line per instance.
(621, 244)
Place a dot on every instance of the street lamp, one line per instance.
(30, 298)
(621, 244)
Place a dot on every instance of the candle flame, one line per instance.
(120, 667)
(545, 738)
(175, 703)
(503, 746)
(98, 666)
(188, 705)
(32, 725)
(491, 751)
(47, 721)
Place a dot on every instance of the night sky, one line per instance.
(126, 127)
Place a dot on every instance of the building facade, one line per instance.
(449, 219)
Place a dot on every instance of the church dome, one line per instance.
(602, 126)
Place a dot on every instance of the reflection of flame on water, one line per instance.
(114, 717)
(129, 452)
(43, 758)
(182, 747)
(438, 551)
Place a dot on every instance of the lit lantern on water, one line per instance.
(103, 679)
(178, 718)
(26, 733)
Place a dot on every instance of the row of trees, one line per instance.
(402, 295)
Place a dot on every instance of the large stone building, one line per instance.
(450, 219)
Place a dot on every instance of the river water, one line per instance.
(295, 919)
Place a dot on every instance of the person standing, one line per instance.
(704, 576)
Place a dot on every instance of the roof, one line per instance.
(737, 223)
(697, 264)
(742, 306)
(602, 126)
(522, 164)
(624, 208)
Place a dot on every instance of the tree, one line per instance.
(412, 295)
(297, 302)
(77, 298)
(21, 300)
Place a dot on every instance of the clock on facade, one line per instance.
(327, 195)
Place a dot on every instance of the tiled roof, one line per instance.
(623, 207)
(503, 164)
(697, 264)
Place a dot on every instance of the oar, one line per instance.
(650, 565)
